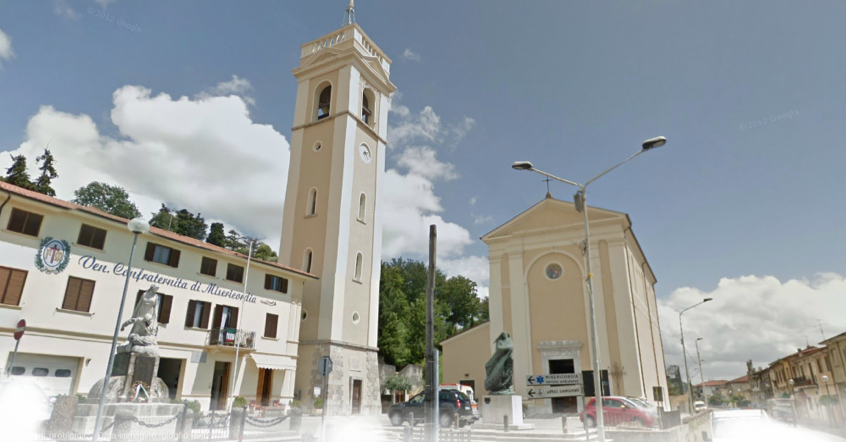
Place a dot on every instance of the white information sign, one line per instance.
(548, 391)
(554, 379)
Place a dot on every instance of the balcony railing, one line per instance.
(803, 382)
(231, 337)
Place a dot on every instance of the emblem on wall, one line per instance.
(53, 255)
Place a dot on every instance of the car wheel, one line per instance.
(446, 420)
(639, 422)
(591, 422)
(396, 419)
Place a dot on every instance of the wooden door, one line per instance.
(220, 385)
(356, 397)
(264, 389)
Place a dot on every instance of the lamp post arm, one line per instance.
(613, 167)
(572, 183)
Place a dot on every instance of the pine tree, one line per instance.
(16, 173)
(216, 235)
(164, 219)
(109, 199)
(48, 173)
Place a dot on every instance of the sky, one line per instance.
(191, 104)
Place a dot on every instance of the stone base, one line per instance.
(117, 386)
(83, 421)
(352, 365)
(496, 407)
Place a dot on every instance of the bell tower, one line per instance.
(332, 220)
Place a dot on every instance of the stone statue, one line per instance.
(500, 368)
(142, 336)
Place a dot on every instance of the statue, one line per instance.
(142, 336)
(500, 368)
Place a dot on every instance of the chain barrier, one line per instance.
(146, 425)
(89, 436)
(256, 422)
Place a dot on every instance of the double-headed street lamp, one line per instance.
(684, 356)
(137, 226)
(581, 206)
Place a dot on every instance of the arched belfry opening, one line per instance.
(324, 100)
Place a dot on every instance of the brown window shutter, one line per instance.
(260, 385)
(233, 317)
(13, 288)
(72, 294)
(189, 316)
(99, 240)
(151, 249)
(267, 280)
(284, 285)
(5, 275)
(86, 293)
(174, 258)
(218, 315)
(270, 324)
(204, 321)
(167, 303)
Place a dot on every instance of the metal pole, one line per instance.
(431, 388)
(686, 372)
(594, 344)
(701, 375)
(325, 406)
(12, 362)
(436, 421)
(238, 338)
(97, 421)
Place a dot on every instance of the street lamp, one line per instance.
(137, 226)
(684, 353)
(701, 375)
(828, 399)
(581, 206)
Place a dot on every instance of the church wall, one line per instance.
(506, 297)
(464, 357)
(616, 365)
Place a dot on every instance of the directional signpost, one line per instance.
(554, 379)
(551, 391)
(19, 332)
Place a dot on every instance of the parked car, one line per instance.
(451, 403)
(699, 406)
(467, 390)
(618, 409)
(741, 425)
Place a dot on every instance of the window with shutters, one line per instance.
(271, 323)
(275, 283)
(11, 285)
(162, 254)
(234, 273)
(208, 266)
(163, 306)
(25, 222)
(198, 314)
(225, 317)
(78, 295)
(91, 236)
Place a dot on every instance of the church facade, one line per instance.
(538, 295)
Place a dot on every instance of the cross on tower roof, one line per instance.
(349, 15)
(548, 193)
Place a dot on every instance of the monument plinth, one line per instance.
(502, 401)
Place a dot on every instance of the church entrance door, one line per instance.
(356, 397)
(563, 404)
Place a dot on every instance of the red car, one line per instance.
(617, 410)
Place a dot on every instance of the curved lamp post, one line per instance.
(581, 206)
(684, 354)
(137, 226)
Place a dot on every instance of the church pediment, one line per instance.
(550, 213)
(319, 57)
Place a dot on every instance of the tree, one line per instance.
(109, 199)
(48, 173)
(164, 219)
(263, 252)
(216, 235)
(16, 173)
(187, 224)
(393, 311)
(462, 305)
(396, 383)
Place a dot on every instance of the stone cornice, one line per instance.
(355, 117)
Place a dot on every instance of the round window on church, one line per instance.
(553, 271)
(317, 146)
(365, 154)
(304, 315)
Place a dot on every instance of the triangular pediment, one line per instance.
(550, 213)
(319, 57)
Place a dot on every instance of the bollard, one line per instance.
(411, 419)
(406, 434)
(243, 423)
(505, 420)
(564, 424)
(455, 420)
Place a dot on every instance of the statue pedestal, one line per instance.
(496, 407)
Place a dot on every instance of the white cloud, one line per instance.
(757, 318)
(237, 86)
(473, 201)
(104, 3)
(475, 268)
(410, 207)
(6, 51)
(409, 55)
(62, 9)
(204, 155)
(422, 161)
(460, 130)
(481, 219)
(426, 126)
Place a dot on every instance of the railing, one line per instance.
(231, 337)
(337, 37)
(803, 382)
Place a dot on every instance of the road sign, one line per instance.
(547, 391)
(325, 366)
(20, 330)
(554, 379)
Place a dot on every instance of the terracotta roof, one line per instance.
(740, 380)
(12, 189)
(712, 384)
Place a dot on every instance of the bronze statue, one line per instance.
(500, 368)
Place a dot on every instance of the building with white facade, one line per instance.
(63, 267)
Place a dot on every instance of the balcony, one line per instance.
(230, 338)
(803, 382)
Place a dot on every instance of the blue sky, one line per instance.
(572, 86)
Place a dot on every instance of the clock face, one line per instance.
(365, 154)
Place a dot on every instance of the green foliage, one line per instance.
(318, 403)
(181, 222)
(265, 253)
(48, 173)
(108, 198)
(164, 219)
(239, 402)
(397, 383)
(216, 235)
(197, 409)
(715, 400)
(785, 395)
(296, 404)
(17, 174)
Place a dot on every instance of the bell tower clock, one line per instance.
(332, 219)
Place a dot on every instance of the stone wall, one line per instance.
(350, 364)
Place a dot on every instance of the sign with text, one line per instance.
(554, 379)
(549, 391)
